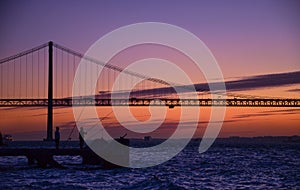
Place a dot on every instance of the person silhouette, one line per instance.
(81, 137)
(57, 137)
(1, 139)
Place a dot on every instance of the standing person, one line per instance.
(81, 137)
(57, 137)
(1, 139)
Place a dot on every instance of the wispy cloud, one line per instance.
(259, 81)
(263, 81)
(269, 113)
(294, 90)
(246, 83)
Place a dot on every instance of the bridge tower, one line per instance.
(50, 94)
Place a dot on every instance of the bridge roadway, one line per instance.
(233, 102)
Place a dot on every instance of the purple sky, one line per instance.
(246, 37)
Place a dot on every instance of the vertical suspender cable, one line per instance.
(62, 74)
(1, 80)
(4, 81)
(56, 65)
(104, 82)
(14, 79)
(38, 87)
(154, 89)
(44, 70)
(20, 78)
(131, 86)
(89, 73)
(85, 78)
(139, 89)
(32, 74)
(26, 76)
(98, 69)
(20, 82)
(94, 86)
(114, 77)
(151, 92)
(104, 79)
(80, 75)
(7, 80)
(73, 73)
(68, 76)
(91, 77)
(108, 75)
(143, 87)
(119, 84)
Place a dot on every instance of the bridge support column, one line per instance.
(50, 94)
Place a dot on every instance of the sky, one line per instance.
(254, 42)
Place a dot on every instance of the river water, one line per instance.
(228, 164)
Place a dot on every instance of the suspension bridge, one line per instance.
(43, 76)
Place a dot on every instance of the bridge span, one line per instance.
(43, 76)
(233, 102)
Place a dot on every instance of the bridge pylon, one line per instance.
(50, 93)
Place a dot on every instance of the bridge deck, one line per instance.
(234, 102)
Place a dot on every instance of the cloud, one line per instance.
(259, 81)
(246, 83)
(268, 113)
(172, 124)
(263, 81)
(294, 90)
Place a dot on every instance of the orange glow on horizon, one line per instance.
(238, 122)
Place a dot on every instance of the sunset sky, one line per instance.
(256, 44)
